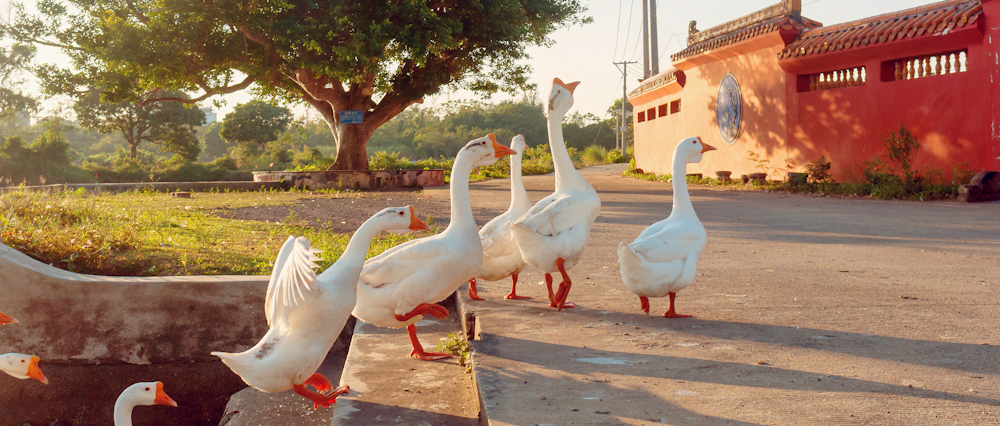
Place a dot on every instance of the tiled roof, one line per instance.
(932, 19)
(786, 15)
(654, 82)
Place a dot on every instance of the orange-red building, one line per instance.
(787, 88)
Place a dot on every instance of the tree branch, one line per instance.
(138, 15)
(209, 92)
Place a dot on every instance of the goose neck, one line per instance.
(123, 413)
(682, 198)
(566, 174)
(461, 206)
(518, 195)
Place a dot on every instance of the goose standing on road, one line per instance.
(306, 312)
(401, 285)
(553, 234)
(663, 259)
(501, 257)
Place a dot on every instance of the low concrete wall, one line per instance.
(346, 179)
(86, 319)
(96, 335)
(157, 186)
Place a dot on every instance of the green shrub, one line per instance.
(593, 155)
(614, 156)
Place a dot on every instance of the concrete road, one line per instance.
(807, 311)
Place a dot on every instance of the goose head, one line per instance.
(144, 393)
(7, 319)
(561, 97)
(518, 144)
(22, 367)
(400, 220)
(691, 150)
(485, 151)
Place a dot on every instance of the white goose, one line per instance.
(143, 393)
(306, 312)
(21, 366)
(663, 259)
(553, 234)
(501, 257)
(398, 287)
(7, 319)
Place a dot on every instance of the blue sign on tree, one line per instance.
(352, 117)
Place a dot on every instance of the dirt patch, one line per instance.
(345, 215)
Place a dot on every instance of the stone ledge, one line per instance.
(348, 179)
(389, 387)
(156, 186)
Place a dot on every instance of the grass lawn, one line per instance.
(151, 233)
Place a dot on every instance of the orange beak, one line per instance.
(499, 150)
(34, 372)
(569, 86)
(705, 147)
(415, 222)
(161, 397)
(7, 319)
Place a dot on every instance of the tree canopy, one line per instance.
(374, 56)
(168, 124)
(254, 124)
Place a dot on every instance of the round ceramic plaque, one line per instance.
(729, 109)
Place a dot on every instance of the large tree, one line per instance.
(169, 124)
(374, 56)
(254, 124)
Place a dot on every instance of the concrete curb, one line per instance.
(246, 186)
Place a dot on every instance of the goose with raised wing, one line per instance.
(21, 366)
(501, 257)
(554, 232)
(143, 393)
(663, 259)
(306, 312)
(401, 285)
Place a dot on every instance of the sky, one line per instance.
(587, 53)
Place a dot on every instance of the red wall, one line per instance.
(955, 117)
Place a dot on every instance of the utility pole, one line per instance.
(645, 40)
(654, 51)
(624, 125)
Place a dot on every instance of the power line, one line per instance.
(629, 31)
(618, 31)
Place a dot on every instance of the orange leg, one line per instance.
(548, 284)
(644, 302)
(513, 288)
(438, 311)
(564, 286)
(323, 385)
(319, 382)
(473, 294)
(418, 350)
(670, 312)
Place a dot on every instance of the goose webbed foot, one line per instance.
(418, 350)
(513, 290)
(670, 312)
(559, 299)
(437, 311)
(473, 293)
(644, 303)
(320, 399)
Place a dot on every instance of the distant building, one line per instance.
(788, 88)
(210, 115)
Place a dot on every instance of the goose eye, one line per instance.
(22, 361)
(147, 389)
(400, 213)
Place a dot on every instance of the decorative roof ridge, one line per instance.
(860, 23)
(785, 8)
(655, 81)
(930, 19)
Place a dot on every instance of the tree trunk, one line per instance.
(132, 150)
(352, 153)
